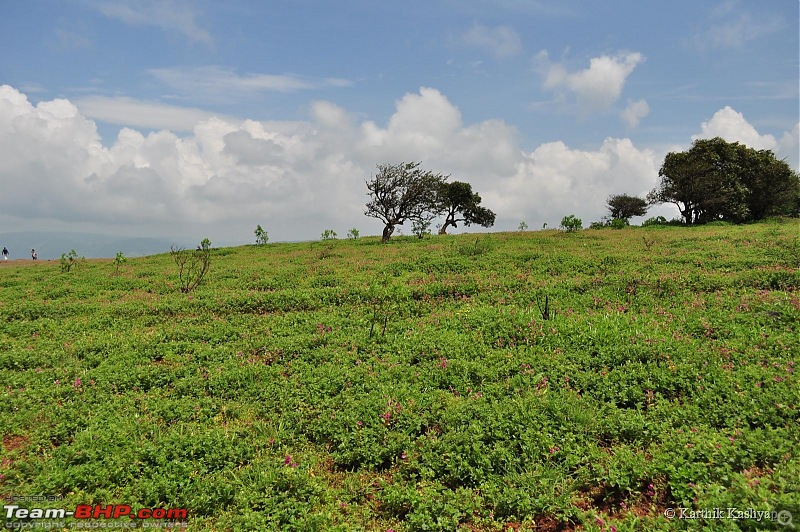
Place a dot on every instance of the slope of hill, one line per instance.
(539, 380)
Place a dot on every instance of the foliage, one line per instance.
(352, 234)
(119, 261)
(624, 207)
(571, 223)
(421, 228)
(192, 264)
(328, 234)
(478, 247)
(402, 192)
(522, 226)
(457, 199)
(261, 235)
(656, 220)
(718, 180)
(412, 387)
(68, 260)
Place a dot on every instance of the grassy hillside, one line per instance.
(350, 385)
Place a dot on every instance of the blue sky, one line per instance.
(190, 119)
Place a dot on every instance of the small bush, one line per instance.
(571, 223)
(522, 226)
(619, 223)
(119, 261)
(192, 265)
(68, 260)
(421, 228)
(655, 220)
(328, 234)
(352, 234)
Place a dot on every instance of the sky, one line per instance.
(192, 119)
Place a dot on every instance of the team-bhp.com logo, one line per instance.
(97, 511)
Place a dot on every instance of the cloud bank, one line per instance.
(295, 178)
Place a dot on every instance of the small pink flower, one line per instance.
(77, 382)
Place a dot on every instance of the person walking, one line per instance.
(5, 253)
(33, 254)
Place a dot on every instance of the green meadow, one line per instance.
(537, 380)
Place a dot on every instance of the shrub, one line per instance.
(119, 261)
(328, 234)
(655, 220)
(68, 260)
(522, 226)
(571, 223)
(619, 223)
(421, 228)
(352, 234)
(192, 265)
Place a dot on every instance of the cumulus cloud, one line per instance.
(732, 126)
(596, 87)
(634, 113)
(293, 178)
(500, 41)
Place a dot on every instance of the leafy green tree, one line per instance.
(261, 236)
(624, 207)
(719, 180)
(402, 192)
(328, 234)
(459, 204)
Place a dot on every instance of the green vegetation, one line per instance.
(586, 380)
(262, 237)
(719, 180)
(571, 223)
(69, 260)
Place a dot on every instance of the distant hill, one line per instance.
(50, 245)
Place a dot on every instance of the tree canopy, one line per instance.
(623, 206)
(402, 192)
(459, 204)
(719, 180)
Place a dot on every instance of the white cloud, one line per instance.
(596, 87)
(635, 111)
(732, 126)
(500, 41)
(151, 115)
(293, 178)
(171, 16)
(215, 83)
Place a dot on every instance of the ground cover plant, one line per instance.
(416, 385)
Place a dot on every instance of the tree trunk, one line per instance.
(387, 233)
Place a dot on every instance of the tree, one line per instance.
(457, 199)
(402, 192)
(623, 206)
(719, 180)
(261, 236)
